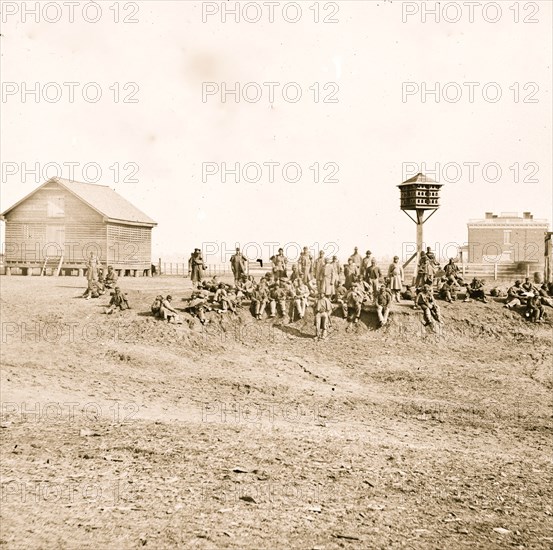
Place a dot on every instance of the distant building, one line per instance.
(60, 223)
(507, 238)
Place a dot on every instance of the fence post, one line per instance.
(495, 271)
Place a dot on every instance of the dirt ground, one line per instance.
(123, 432)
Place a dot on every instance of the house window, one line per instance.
(56, 207)
(507, 236)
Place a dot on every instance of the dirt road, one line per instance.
(125, 432)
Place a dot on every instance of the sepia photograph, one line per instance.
(276, 274)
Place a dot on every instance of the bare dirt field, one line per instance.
(123, 432)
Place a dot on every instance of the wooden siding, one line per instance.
(54, 221)
(129, 247)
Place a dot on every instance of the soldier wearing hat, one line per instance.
(395, 274)
(110, 280)
(365, 264)
(322, 309)
(356, 257)
(238, 264)
(196, 267)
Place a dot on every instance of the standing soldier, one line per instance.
(365, 264)
(196, 267)
(305, 264)
(92, 268)
(337, 272)
(395, 274)
(373, 277)
(350, 272)
(356, 257)
(432, 265)
(238, 263)
(318, 268)
(279, 264)
(328, 278)
(421, 271)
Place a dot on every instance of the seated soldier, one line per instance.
(210, 285)
(341, 299)
(544, 295)
(354, 300)
(408, 293)
(199, 304)
(476, 291)
(295, 275)
(156, 305)
(430, 310)
(448, 290)
(527, 285)
(95, 289)
(118, 301)
(279, 296)
(244, 288)
(534, 309)
(322, 310)
(383, 303)
(300, 297)
(110, 280)
(451, 270)
(260, 297)
(313, 288)
(167, 312)
(221, 298)
(514, 295)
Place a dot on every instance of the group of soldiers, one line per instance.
(327, 286)
(322, 282)
(98, 282)
(532, 297)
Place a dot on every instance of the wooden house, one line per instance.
(57, 226)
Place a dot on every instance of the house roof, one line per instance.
(103, 199)
(419, 178)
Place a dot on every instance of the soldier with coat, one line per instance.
(238, 264)
(196, 267)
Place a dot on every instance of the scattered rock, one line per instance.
(501, 531)
(87, 432)
(346, 537)
(247, 498)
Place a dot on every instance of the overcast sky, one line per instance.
(371, 129)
